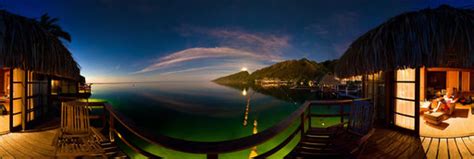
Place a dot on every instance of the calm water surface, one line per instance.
(202, 111)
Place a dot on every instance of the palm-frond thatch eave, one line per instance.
(441, 37)
(26, 45)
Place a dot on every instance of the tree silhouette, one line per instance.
(51, 25)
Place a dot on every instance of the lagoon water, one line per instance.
(203, 111)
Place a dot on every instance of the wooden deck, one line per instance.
(392, 144)
(458, 147)
(40, 145)
(28, 145)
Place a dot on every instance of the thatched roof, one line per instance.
(329, 79)
(441, 37)
(25, 44)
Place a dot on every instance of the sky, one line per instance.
(184, 40)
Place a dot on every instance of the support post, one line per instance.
(302, 126)
(212, 156)
(341, 112)
(104, 116)
(11, 99)
(24, 111)
(111, 129)
(417, 101)
(309, 116)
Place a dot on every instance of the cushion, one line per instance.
(426, 105)
(434, 115)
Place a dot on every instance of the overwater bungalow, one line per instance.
(329, 83)
(34, 66)
(408, 64)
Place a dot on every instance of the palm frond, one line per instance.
(25, 44)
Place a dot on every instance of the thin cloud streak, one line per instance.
(189, 70)
(204, 53)
(264, 43)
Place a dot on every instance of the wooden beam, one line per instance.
(448, 69)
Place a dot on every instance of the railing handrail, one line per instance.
(219, 147)
(203, 147)
(331, 102)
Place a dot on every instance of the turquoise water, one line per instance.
(204, 111)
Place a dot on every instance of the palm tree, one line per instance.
(50, 24)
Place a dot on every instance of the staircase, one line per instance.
(316, 143)
(112, 150)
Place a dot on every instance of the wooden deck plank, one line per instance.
(46, 145)
(469, 144)
(433, 149)
(443, 149)
(463, 149)
(453, 149)
(11, 149)
(20, 146)
(426, 143)
(411, 147)
(3, 152)
(36, 147)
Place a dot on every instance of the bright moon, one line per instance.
(243, 69)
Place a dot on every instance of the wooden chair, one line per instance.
(76, 137)
(351, 137)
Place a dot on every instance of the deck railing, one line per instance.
(213, 149)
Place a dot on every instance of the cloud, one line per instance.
(188, 70)
(236, 48)
(205, 53)
(264, 43)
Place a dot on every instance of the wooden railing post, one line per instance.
(104, 116)
(309, 116)
(341, 112)
(212, 156)
(302, 126)
(111, 128)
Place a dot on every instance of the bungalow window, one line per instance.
(436, 84)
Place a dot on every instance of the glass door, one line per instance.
(405, 99)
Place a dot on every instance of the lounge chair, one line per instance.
(76, 136)
(435, 116)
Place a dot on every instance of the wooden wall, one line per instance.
(465, 86)
(422, 83)
(452, 79)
